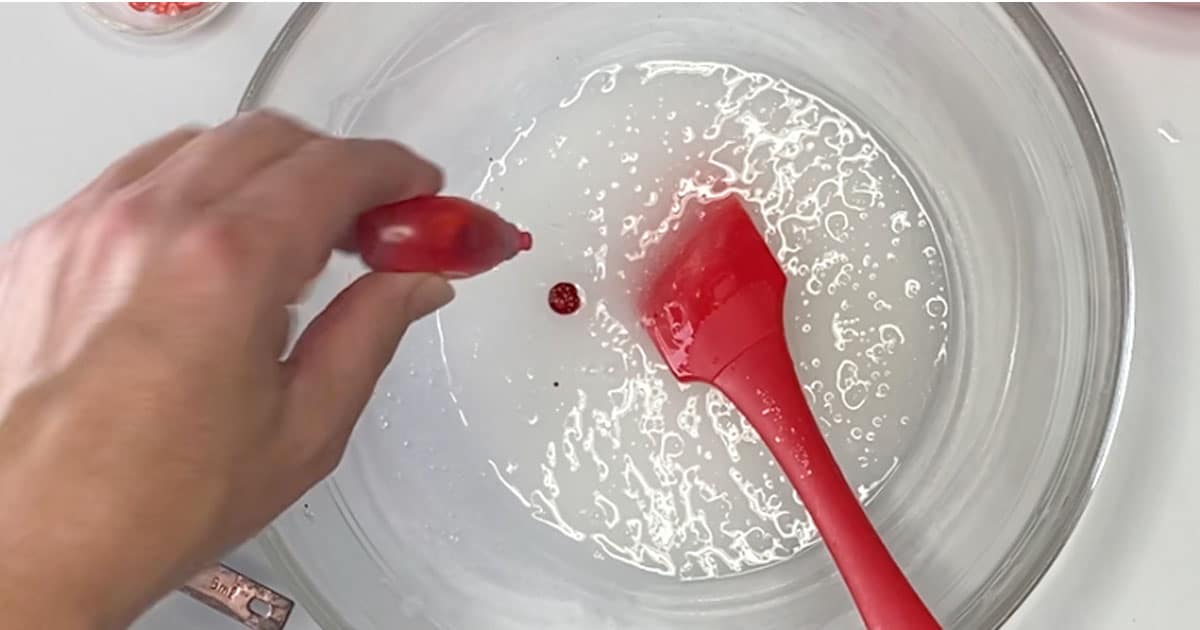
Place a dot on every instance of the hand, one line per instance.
(147, 420)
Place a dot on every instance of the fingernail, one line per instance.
(428, 296)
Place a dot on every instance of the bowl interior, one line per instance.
(930, 179)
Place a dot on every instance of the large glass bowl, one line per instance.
(519, 469)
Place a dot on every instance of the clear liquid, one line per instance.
(596, 438)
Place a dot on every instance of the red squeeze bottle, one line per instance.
(446, 235)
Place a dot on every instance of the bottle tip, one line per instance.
(524, 241)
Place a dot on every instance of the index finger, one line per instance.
(306, 201)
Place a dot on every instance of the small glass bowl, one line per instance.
(151, 19)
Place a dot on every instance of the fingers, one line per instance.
(294, 191)
(308, 200)
(142, 160)
(219, 161)
(337, 360)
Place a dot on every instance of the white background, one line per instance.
(74, 99)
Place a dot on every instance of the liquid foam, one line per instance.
(668, 477)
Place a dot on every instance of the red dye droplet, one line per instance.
(564, 298)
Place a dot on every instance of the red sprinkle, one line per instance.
(164, 8)
(564, 298)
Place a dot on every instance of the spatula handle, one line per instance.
(763, 379)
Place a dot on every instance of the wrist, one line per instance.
(42, 586)
(58, 537)
(28, 605)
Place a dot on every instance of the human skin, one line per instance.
(151, 417)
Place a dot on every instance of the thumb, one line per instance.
(340, 356)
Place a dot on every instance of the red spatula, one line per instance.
(715, 312)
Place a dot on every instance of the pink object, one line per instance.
(446, 235)
(715, 312)
(164, 8)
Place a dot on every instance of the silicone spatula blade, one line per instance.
(715, 313)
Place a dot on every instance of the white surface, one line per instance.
(75, 101)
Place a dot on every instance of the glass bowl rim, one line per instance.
(1093, 139)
